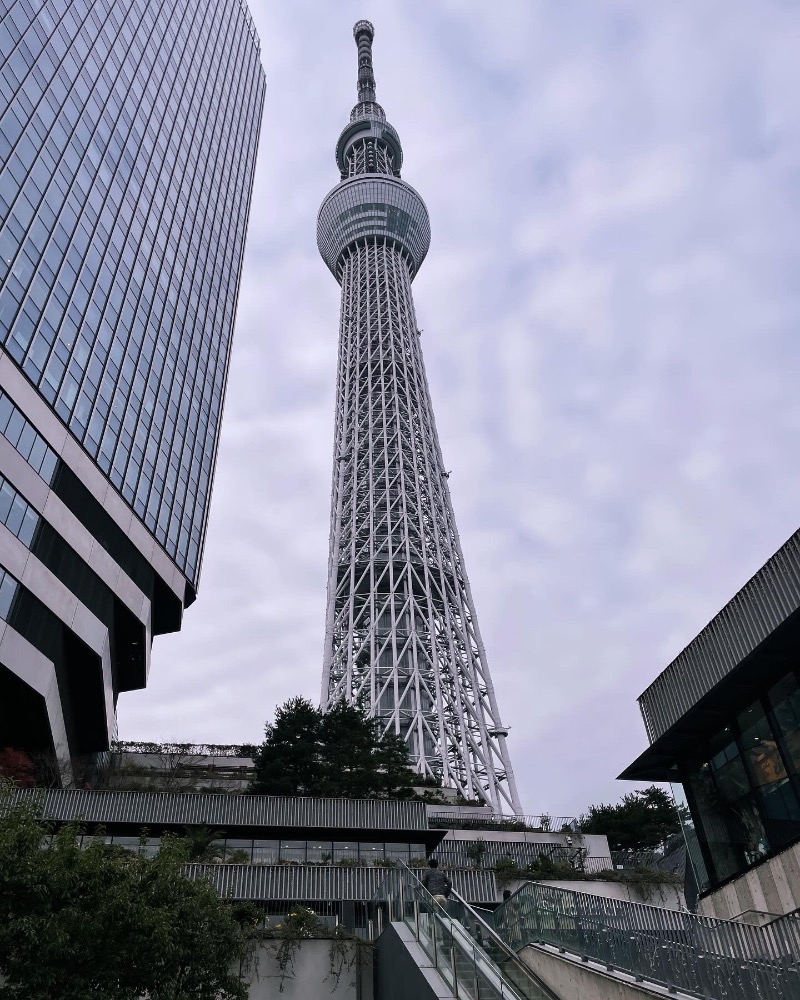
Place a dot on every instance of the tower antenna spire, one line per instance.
(364, 32)
(401, 630)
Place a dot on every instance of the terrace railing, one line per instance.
(463, 820)
(677, 950)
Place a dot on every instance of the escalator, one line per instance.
(458, 941)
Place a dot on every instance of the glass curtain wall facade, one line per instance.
(249, 850)
(128, 139)
(742, 786)
(128, 134)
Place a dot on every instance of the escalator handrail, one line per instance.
(507, 951)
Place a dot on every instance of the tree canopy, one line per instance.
(338, 753)
(16, 767)
(642, 820)
(108, 923)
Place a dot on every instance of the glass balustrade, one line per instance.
(675, 949)
(472, 959)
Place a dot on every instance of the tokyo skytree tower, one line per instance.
(401, 632)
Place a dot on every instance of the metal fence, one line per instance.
(479, 820)
(313, 883)
(225, 811)
(185, 750)
(486, 853)
(681, 951)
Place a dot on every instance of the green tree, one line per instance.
(475, 850)
(203, 845)
(106, 923)
(642, 820)
(288, 762)
(337, 753)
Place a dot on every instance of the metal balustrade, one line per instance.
(681, 951)
(460, 819)
(472, 959)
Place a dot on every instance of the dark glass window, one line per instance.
(139, 87)
(744, 791)
(784, 698)
(266, 852)
(767, 770)
(293, 850)
(345, 850)
(319, 850)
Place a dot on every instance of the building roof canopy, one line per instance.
(768, 661)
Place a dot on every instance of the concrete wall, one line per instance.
(772, 887)
(403, 970)
(570, 978)
(311, 979)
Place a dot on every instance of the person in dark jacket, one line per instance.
(437, 883)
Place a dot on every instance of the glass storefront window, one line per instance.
(266, 852)
(767, 767)
(744, 792)
(293, 850)
(370, 851)
(150, 846)
(345, 850)
(738, 805)
(784, 699)
(760, 747)
(715, 821)
(239, 851)
(398, 852)
(129, 843)
(690, 836)
(320, 850)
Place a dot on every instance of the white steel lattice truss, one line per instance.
(401, 630)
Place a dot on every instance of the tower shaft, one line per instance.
(401, 631)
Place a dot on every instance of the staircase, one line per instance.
(655, 947)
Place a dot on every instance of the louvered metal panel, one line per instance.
(763, 604)
(320, 882)
(225, 811)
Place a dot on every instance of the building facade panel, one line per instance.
(273, 882)
(761, 606)
(128, 137)
(232, 810)
(128, 133)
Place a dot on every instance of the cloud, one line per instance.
(610, 315)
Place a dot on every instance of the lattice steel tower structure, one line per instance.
(401, 631)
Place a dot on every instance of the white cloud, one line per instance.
(610, 315)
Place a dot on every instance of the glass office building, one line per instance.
(128, 140)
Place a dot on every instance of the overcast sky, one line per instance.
(610, 307)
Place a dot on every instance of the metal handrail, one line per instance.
(508, 952)
(460, 820)
(463, 963)
(676, 949)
